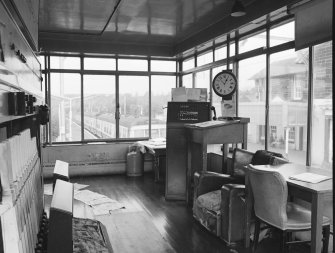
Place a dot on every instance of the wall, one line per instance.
(90, 159)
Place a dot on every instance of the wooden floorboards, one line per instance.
(149, 223)
(172, 219)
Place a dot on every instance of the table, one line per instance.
(316, 194)
(212, 132)
(157, 148)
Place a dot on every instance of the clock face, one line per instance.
(224, 84)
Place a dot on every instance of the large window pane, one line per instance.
(288, 104)
(251, 104)
(188, 64)
(231, 49)
(41, 60)
(132, 65)
(205, 58)
(202, 81)
(187, 81)
(253, 42)
(99, 107)
(322, 114)
(65, 106)
(163, 66)
(282, 34)
(99, 63)
(134, 106)
(220, 53)
(160, 94)
(64, 62)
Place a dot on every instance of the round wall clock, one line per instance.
(224, 84)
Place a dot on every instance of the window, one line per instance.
(251, 104)
(231, 49)
(188, 64)
(220, 53)
(65, 107)
(187, 81)
(202, 81)
(253, 42)
(163, 66)
(322, 111)
(205, 58)
(99, 107)
(160, 94)
(287, 114)
(99, 63)
(64, 62)
(282, 34)
(134, 106)
(132, 65)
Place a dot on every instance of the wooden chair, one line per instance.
(270, 193)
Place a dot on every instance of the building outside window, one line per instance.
(134, 106)
(322, 111)
(99, 107)
(65, 107)
(251, 104)
(285, 112)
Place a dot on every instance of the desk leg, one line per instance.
(317, 215)
(156, 167)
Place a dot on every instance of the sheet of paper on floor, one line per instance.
(48, 189)
(106, 208)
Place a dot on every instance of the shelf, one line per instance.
(4, 119)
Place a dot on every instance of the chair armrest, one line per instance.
(235, 190)
(210, 181)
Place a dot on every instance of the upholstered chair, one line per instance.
(271, 206)
(219, 199)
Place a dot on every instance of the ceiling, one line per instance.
(140, 27)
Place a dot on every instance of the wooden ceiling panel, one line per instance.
(178, 24)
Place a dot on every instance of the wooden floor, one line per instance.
(171, 219)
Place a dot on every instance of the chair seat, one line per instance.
(299, 218)
(211, 201)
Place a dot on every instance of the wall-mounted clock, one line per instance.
(224, 84)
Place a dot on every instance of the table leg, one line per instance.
(317, 215)
(248, 210)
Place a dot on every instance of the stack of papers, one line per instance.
(309, 177)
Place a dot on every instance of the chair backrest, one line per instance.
(241, 158)
(269, 189)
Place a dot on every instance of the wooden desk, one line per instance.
(313, 193)
(158, 151)
(212, 132)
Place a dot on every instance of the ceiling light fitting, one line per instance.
(238, 9)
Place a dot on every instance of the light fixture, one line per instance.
(238, 9)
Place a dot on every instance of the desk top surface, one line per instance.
(290, 169)
(154, 143)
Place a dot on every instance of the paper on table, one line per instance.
(309, 177)
(209, 123)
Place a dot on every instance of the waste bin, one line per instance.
(134, 161)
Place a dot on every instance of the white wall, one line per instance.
(89, 159)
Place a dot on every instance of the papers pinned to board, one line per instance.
(309, 177)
